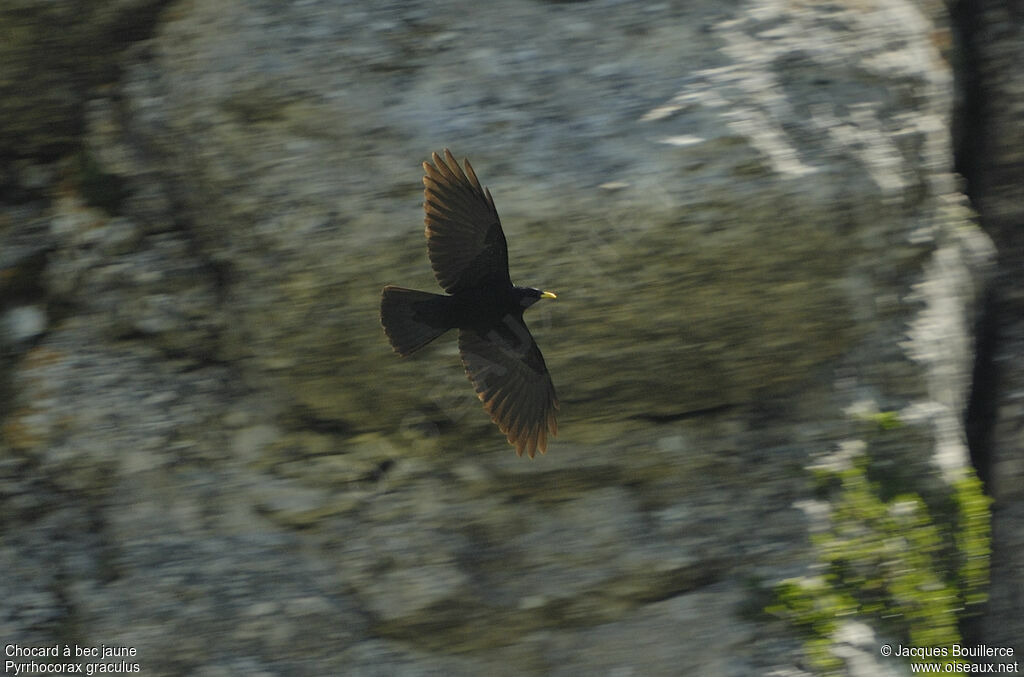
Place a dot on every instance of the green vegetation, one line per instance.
(887, 420)
(890, 565)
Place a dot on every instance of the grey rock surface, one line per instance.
(995, 159)
(211, 454)
(51, 56)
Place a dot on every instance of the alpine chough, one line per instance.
(469, 256)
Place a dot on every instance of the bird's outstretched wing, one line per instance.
(464, 238)
(510, 377)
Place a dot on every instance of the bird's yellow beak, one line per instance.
(548, 295)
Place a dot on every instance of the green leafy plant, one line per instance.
(889, 564)
(887, 420)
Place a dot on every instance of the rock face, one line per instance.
(211, 455)
(994, 161)
(63, 49)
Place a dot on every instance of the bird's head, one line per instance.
(531, 296)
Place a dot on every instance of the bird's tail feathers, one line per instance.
(412, 318)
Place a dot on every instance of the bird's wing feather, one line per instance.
(465, 242)
(508, 372)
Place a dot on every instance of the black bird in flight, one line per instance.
(469, 256)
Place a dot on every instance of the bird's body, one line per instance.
(469, 256)
(482, 308)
